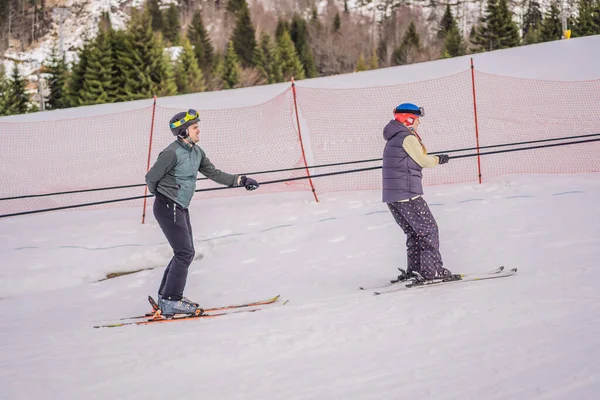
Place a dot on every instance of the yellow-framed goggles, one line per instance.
(190, 115)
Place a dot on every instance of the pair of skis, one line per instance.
(394, 286)
(155, 317)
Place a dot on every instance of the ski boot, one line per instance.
(170, 308)
(404, 276)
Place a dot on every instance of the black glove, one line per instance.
(249, 183)
(444, 158)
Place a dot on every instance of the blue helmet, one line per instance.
(409, 108)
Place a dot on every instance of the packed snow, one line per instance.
(530, 336)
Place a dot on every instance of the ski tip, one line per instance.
(285, 302)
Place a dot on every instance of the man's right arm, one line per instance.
(165, 162)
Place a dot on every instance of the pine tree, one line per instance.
(233, 6)
(267, 60)
(531, 21)
(155, 15)
(58, 71)
(231, 70)
(3, 92)
(411, 42)
(172, 25)
(337, 23)
(143, 64)
(76, 80)
(310, 65)
(97, 77)
(584, 24)
(188, 74)
(290, 62)
(201, 41)
(361, 64)
(243, 38)
(122, 57)
(446, 23)
(282, 26)
(498, 30)
(16, 97)
(168, 84)
(454, 44)
(596, 15)
(551, 28)
(374, 60)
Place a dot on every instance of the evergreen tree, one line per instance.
(188, 74)
(97, 77)
(282, 26)
(230, 73)
(596, 15)
(498, 30)
(551, 28)
(3, 92)
(446, 23)
(172, 25)
(143, 63)
(290, 62)
(121, 47)
(411, 42)
(168, 84)
(374, 60)
(337, 23)
(454, 44)
(58, 71)
(233, 6)
(584, 24)
(310, 65)
(299, 35)
(243, 38)
(17, 100)
(361, 64)
(267, 60)
(201, 41)
(75, 81)
(531, 21)
(156, 15)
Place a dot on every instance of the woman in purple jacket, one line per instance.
(404, 157)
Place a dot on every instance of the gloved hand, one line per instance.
(443, 158)
(249, 183)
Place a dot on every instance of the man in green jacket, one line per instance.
(172, 179)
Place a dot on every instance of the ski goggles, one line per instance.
(419, 113)
(190, 115)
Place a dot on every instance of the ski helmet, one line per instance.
(409, 108)
(181, 121)
(405, 113)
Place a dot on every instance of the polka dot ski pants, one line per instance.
(422, 242)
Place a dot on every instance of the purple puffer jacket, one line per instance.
(401, 174)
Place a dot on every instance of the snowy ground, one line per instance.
(531, 336)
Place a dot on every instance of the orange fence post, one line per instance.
(301, 145)
(476, 123)
(149, 154)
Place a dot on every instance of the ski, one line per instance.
(222, 308)
(394, 283)
(453, 279)
(157, 318)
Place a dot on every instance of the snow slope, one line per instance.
(531, 336)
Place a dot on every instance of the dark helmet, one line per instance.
(181, 121)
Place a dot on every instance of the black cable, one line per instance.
(298, 178)
(303, 168)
